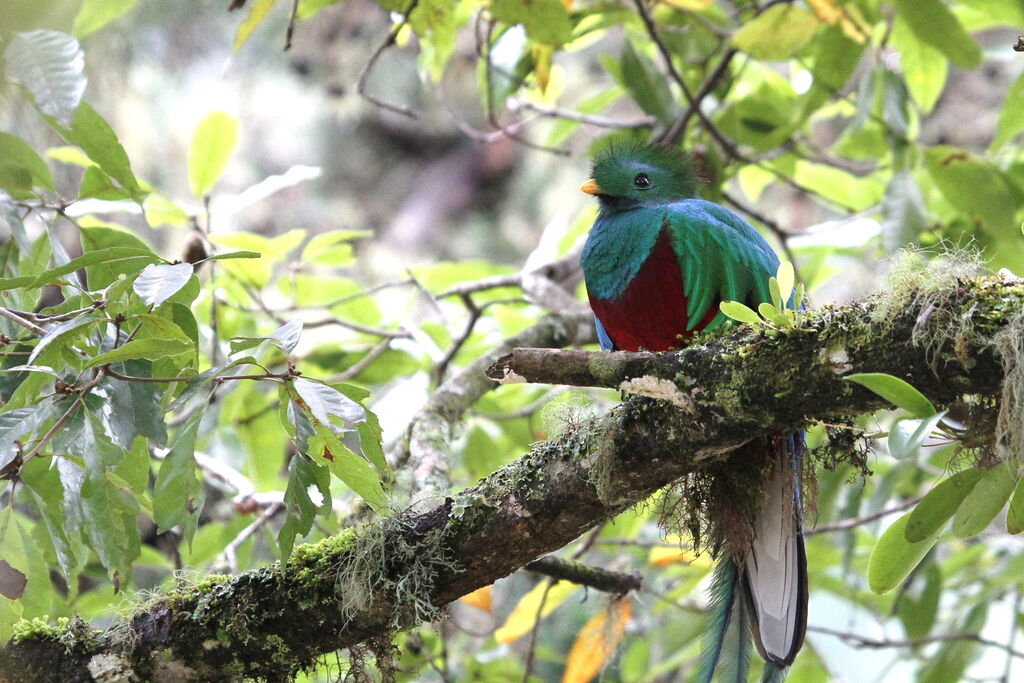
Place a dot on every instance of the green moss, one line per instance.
(72, 632)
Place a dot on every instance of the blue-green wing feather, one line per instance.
(722, 258)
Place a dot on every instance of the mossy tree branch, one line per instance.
(270, 622)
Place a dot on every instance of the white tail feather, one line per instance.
(775, 568)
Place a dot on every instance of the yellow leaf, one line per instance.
(480, 598)
(595, 643)
(690, 5)
(662, 556)
(542, 64)
(829, 12)
(524, 616)
(257, 13)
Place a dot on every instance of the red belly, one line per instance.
(651, 313)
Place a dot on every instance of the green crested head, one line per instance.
(626, 175)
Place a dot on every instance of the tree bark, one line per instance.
(273, 621)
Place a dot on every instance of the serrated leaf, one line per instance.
(209, 150)
(178, 494)
(935, 509)
(895, 390)
(51, 66)
(907, 435)
(95, 14)
(158, 282)
(933, 23)
(777, 33)
(323, 402)
(152, 349)
(740, 312)
(894, 557)
(527, 610)
(984, 501)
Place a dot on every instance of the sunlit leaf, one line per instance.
(95, 14)
(212, 142)
(258, 10)
(152, 348)
(480, 598)
(596, 643)
(777, 33)
(740, 312)
(524, 615)
(50, 64)
(933, 23)
(158, 282)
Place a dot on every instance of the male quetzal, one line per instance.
(657, 263)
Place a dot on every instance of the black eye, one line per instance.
(641, 181)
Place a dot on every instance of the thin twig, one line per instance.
(290, 31)
(677, 130)
(17, 319)
(473, 312)
(365, 73)
(853, 522)
(861, 641)
(229, 554)
(528, 665)
(361, 364)
(586, 119)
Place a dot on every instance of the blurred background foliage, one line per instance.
(397, 170)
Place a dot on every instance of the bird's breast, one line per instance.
(650, 312)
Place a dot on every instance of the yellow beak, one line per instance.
(590, 187)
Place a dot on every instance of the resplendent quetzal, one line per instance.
(657, 263)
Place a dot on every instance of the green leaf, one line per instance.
(740, 312)
(158, 282)
(325, 448)
(776, 34)
(332, 248)
(152, 349)
(896, 391)
(98, 238)
(108, 255)
(302, 475)
(905, 215)
(545, 21)
(212, 143)
(934, 510)
(973, 187)
(62, 335)
(93, 134)
(933, 23)
(919, 605)
(17, 180)
(14, 150)
(906, 436)
(1015, 513)
(894, 557)
(785, 276)
(924, 68)
(98, 185)
(45, 484)
(1010, 123)
(135, 408)
(51, 66)
(228, 256)
(95, 14)
(257, 13)
(984, 501)
(370, 441)
(178, 494)
(772, 314)
(645, 84)
(108, 514)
